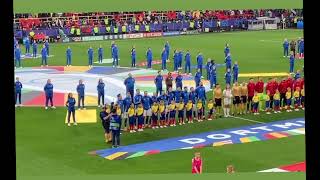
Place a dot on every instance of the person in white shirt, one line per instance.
(227, 100)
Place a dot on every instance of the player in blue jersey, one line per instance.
(17, 55)
(69, 55)
(115, 52)
(90, 56)
(291, 62)
(285, 46)
(81, 94)
(100, 89)
(100, 54)
(18, 89)
(176, 61)
(158, 82)
(44, 56)
(149, 58)
(133, 57)
(226, 50)
(200, 62)
(235, 72)
(164, 58)
(187, 62)
(227, 76)
(167, 49)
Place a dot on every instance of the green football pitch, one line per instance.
(46, 147)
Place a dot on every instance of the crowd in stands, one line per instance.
(62, 20)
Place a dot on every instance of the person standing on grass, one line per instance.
(100, 89)
(100, 54)
(17, 88)
(244, 97)
(27, 44)
(301, 47)
(197, 77)
(105, 119)
(201, 95)
(196, 164)
(129, 83)
(115, 52)
(227, 97)
(69, 54)
(46, 44)
(80, 91)
(200, 62)
(291, 62)
(137, 98)
(158, 82)
(236, 99)
(127, 101)
(213, 74)
(179, 80)
(235, 72)
(147, 113)
(226, 50)
(115, 122)
(176, 61)
(133, 57)
(48, 89)
(285, 48)
(259, 87)
(227, 76)
(44, 56)
(112, 46)
(71, 102)
(228, 61)
(149, 58)
(282, 90)
(217, 96)
(164, 58)
(169, 80)
(167, 49)
(208, 68)
(187, 59)
(90, 56)
(180, 57)
(34, 49)
(17, 55)
(293, 47)
(251, 90)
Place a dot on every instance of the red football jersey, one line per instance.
(251, 88)
(270, 87)
(290, 83)
(259, 87)
(283, 87)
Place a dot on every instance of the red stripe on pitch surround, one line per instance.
(152, 152)
(269, 136)
(58, 100)
(298, 167)
(199, 146)
(58, 68)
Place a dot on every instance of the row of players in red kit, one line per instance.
(282, 87)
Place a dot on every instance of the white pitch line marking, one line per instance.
(247, 119)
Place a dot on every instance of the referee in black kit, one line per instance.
(105, 119)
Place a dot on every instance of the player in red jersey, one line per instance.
(283, 89)
(298, 84)
(290, 82)
(270, 89)
(275, 88)
(251, 88)
(259, 86)
(197, 164)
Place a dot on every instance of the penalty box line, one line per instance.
(245, 119)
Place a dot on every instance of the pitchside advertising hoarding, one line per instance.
(174, 33)
(133, 36)
(92, 38)
(152, 34)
